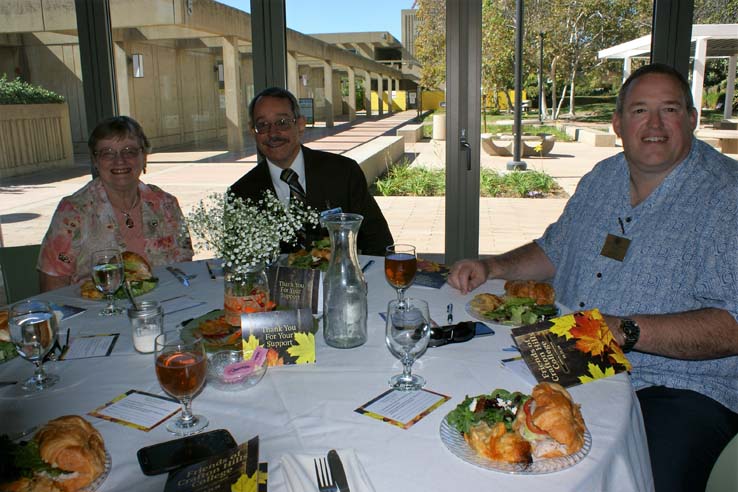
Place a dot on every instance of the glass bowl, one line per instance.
(217, 364)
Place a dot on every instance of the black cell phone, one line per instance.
(170, 455)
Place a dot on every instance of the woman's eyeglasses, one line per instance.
(280, 125)
(126, 153)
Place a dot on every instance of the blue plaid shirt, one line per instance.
(683, 256)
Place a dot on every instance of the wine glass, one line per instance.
(181, 367)
(407, 336)
(33, 328)
(400, 265)
(108, 273)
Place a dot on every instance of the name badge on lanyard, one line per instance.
(615, 247)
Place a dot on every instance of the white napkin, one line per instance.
(299, 472)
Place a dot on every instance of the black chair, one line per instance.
(18, 268)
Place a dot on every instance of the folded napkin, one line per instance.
(299, 471)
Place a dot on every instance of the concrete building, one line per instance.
(184, 68)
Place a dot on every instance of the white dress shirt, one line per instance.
(282, 188)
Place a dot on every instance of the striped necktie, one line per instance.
(292, 179)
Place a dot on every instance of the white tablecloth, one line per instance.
(309, 408)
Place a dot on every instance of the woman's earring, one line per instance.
(144, 169)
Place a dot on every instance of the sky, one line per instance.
(327, 16)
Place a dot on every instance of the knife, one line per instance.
(177, 274)
(334, 463)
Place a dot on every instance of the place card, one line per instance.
(288, 336)
(138, 409)
(88, 346)
(66, 311)
(294, 288)
(403, 408)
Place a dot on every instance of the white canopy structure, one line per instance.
(708, 41)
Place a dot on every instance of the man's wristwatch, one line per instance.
(632, 332)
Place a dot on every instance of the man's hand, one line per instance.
(467, 275)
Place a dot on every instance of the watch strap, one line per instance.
(632, 333)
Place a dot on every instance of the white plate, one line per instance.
(455, 443)
(99, 480)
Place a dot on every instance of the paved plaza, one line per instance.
(28, 202)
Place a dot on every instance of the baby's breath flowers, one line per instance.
(243, 233)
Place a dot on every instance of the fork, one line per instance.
(325, 480)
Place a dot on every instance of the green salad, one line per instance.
(307, 260)
(7, 351)
(521, 311)
(138, 287)
(499, 406)
(22, 460)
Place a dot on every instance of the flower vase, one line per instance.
(245, 293)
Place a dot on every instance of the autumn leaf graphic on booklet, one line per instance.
(573, 349)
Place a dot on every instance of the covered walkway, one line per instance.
(708, 41)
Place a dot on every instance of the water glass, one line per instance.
(33, 329)
(407, 335)
(108, 274)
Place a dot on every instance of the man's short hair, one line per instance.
(655, 68)
(274, 92)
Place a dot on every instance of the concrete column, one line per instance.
(626, 68)
(351, 94)
(389, 95)
(293, 75)
(232, 83)
(328, 89)
(698, 75)
(121, 78)
(730, 90)
(368, 93)
(380, 93)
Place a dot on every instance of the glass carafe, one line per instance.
(344, 286)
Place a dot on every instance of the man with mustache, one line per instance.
(650, 238)
(322, 180)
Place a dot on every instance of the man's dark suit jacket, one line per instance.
(332, 181)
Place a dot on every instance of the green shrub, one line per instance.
(403, 180)
(20, 92)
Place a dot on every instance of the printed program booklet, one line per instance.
(236, 469)
(573, 349)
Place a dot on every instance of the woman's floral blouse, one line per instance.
(85, 222)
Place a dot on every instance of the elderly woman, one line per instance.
(113, 210)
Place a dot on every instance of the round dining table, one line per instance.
(310, 408)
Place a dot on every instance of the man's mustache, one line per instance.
(276, 140)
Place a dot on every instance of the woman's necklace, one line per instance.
(127, 214)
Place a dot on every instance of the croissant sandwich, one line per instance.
(136, 268)
(66, 455)
(541, 292)
(551, 422)
(73, 445)
(517, 428)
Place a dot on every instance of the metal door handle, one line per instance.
(467, 148)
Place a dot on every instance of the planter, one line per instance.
(34, 137)
(249, 295)
(439, 126)
(532, 145)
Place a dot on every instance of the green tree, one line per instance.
(430, 43)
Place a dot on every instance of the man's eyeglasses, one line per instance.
(126, 153)
(282, 124)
